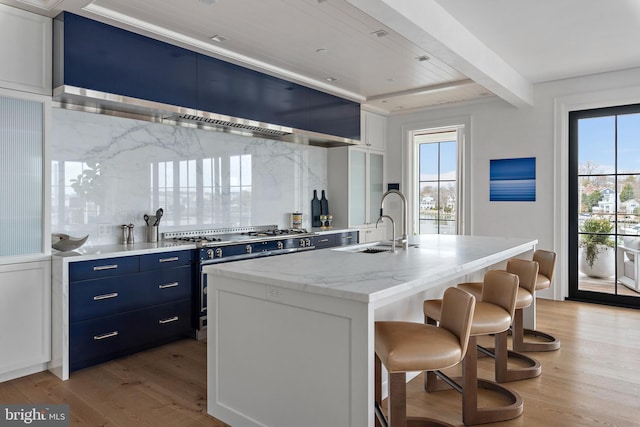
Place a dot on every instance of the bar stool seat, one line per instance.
(547, 262)
(527, 272)
(406, 346)
(492, 316)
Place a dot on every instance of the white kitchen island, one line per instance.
(290, 338)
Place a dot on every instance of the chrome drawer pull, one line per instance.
(169, 320)
(105, 267)
(323, 240)
(168, 285)
(105, 296)
(174, 258)
(103, 336)
(348, 237)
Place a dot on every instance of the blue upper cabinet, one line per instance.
(92, 55)
(236, 91)
(108, 59)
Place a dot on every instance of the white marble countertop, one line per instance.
(343, 273)
(85, 253)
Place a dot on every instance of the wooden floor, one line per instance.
(593, 380)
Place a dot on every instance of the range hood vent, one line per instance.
(202, 119)
(92, 101)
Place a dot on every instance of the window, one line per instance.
(437, 180)
(605, 209)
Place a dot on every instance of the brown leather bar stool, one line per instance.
(527, 272)
(408, 346)
(547, 262)
(493, 316)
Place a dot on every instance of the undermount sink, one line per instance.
(373, 248)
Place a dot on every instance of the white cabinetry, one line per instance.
(355, 186)
(374, 130)
(25, 318)
(25, 49)
(356, 180)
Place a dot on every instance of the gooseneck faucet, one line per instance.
(393, 228)
(404, 240)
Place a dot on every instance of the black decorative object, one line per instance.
(315, 210)
(324, 205)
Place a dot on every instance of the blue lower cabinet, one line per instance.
(98, 340)
(121, 305)
(324, 241)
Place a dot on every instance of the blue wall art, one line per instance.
(512, 180)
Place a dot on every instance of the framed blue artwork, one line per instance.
(512, 180)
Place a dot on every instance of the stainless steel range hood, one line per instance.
(87, 100)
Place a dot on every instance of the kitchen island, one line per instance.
(290, 339)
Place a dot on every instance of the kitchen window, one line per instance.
(438, 189)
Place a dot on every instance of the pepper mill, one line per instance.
(123, 238)
(130, 234)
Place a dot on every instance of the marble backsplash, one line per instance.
(108, 171)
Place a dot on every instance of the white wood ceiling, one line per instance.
(475, 48)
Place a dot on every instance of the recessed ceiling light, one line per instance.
(321, 50)
(422, 58)
(380, 33)
(218, 38)
(331, 79)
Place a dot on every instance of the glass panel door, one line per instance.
(605, 213)
(21, 167)
(357, 187)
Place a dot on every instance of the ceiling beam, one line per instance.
(426, 24)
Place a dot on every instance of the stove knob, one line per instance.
(280, 245)
(249, 249)
(219, 252)
(210, 253)
(302, 243)
(307, 242)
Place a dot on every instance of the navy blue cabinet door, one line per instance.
(239, 92)
(108, 59)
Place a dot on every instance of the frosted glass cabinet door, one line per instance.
(21, 176)
(357, 187)
(376, 185)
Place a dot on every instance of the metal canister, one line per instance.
(296, 220)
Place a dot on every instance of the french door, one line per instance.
(604, 208)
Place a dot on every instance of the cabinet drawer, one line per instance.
(98, 340)
(345, 239)
(102, 297)
(107, 267)
(162, 286)
(325, 241)
(165, 260)
(113, 295)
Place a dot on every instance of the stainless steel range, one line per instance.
(233, 244)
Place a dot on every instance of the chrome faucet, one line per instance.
(393, 228)
(403, 239)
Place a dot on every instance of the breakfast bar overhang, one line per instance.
(290, 339)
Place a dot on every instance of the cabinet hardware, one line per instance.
(173, 258)
(347, 237)
(105, 296)
(168, 285)
(323, 240)
(169, 320)
(105, 267)
(103, 336)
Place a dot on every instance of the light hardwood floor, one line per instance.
(593, 380)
